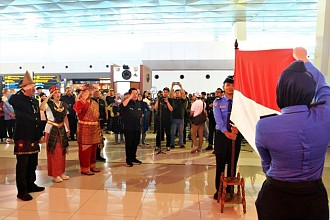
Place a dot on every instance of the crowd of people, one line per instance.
(86, 114)
(30, 118)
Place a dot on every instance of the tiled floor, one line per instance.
(176, 185)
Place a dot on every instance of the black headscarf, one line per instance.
(296, 86)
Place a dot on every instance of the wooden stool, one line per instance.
(231, 198)
(232, 181)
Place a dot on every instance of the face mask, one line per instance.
(119, 100)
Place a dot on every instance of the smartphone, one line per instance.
(176, 83)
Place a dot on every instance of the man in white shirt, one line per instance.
(196, 109)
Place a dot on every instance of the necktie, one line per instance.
(230, 104)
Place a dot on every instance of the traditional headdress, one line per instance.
(26, 80)
(53, 88)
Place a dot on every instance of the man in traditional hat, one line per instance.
(225, 133)
(26, 136)
(88, 130)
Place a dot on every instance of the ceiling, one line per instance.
(215, 18)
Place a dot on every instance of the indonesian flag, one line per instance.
(256, 75)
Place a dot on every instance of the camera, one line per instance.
(160, 97)
(176, 83)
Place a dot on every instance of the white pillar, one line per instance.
(322, 48)
(239, 29)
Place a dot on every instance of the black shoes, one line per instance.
(215, 196)
(88, 173)
(209, 148)
(24, 197)
(136, 161)
(36, 188)
(182, 146)
(27, 196)
(101, 159)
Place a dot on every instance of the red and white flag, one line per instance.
(256, 75)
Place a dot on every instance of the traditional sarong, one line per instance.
(55, 158)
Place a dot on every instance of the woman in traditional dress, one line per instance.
(88, 130)
(56, 134)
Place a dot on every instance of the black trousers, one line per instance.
(26, 165)
(164, 126)
(185, 124)
(10, 127)
(72, 118)
(132, 140)
(287, 201)
(222, 151)
(109, 122)
(211, 131)
(102, 123)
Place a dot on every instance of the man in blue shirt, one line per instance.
(225, 133)
(293, 145)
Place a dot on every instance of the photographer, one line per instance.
(179, 104)
(164, 109)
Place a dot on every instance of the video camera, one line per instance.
(160, 97)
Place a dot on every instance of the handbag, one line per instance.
(199, 119)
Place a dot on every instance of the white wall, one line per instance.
(194, 81)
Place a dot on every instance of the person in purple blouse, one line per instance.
(293, 145)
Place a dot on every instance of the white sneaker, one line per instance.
(58, 179)
(65, 177)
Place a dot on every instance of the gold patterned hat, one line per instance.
(53, 88)
(26, 80)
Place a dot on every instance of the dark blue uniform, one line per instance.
(132, 114)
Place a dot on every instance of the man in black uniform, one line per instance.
(38, 93)
(69, 98)
(110, 98)
(26, 136)
(132, 115)
(209, 109)
(103, 118)
(164, 109)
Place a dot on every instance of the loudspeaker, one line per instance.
(125, 74)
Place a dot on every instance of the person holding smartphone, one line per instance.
(179, 104)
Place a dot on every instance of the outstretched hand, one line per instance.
(300, 53)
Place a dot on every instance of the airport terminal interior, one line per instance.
(175, 185)
(74, 42)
